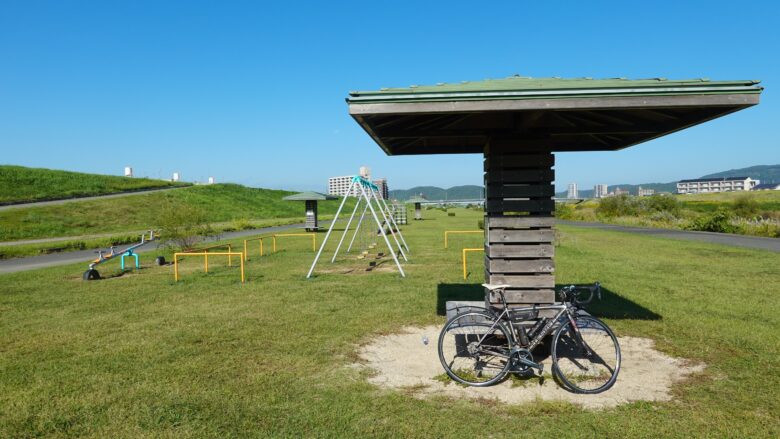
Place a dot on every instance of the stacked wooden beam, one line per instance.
(519, 223)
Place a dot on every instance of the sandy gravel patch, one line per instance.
(403, 362)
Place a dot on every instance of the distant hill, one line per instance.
(19, 184)
(437, 193)
(765, 173)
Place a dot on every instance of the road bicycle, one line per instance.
(481, 347)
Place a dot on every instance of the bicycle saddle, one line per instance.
(492, 287)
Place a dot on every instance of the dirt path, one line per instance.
(404, 362)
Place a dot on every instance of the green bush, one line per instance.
(450, 213)
(745, 206)
(564, 211)
(183, 225)
(719, 221)
(481, 224)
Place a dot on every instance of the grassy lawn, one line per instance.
(19, 184)
(220, 202)
(138, 355)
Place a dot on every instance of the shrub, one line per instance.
(564, 211)
(661, 203)
(183, 225)
(745, 206)
(719, 221)
(450, 213)
(620, 205)
(481, 224)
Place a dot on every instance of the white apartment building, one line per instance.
(707, 185)
(600, 191)
(338, 186)
(572, 192)
(645, 192)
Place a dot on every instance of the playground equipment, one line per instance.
(206, 255)
(398, 210)
(93, 274)
(367, 197)
(417, 201)
(311, 199)
(312, 235)
(463, 258)
(458, 232)
(206, 250)
(246, 250)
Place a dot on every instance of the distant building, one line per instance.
(619, 191)
(572, 193)
(128, 171)
(339, 186)
(176, 177)
(645, 192)
(365, 172)
(384, 192)
(600, 191)
(708, 185)
(767, 187)
(212, 180)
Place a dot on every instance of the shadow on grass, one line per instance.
(612, 305)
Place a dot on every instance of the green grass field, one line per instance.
(138, 355)
(766, 200)
(19, 184)
(220, 202)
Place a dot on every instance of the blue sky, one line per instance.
(253, 92)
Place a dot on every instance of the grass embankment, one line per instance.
(141, 356)
(745, 213)
(19, 184)
(227, 206)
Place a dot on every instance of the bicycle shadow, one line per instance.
(611, 306)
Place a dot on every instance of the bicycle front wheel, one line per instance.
(474, 349)
(586, 359)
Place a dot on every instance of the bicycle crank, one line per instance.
(522, 359)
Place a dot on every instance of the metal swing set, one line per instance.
(369, 199)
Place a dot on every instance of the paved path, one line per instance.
(31, 263)
(756, 242)
(96, 197)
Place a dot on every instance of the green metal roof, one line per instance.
(416, 199)
(555, 114)
(520, 87)
(309, 196)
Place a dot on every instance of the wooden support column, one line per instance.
(519, 211)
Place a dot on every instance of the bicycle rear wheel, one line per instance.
(586, 359)
(474, 349)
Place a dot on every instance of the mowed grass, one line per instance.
(19, 184)
(220, 203)
(138, 355)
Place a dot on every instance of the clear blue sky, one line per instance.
(253, 92)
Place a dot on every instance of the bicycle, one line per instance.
(480, 348)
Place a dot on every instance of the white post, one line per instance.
(330, 229)
(333, 259)
(357, 229)
(390, 226)
(382, 229)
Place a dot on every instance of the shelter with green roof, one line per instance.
(517, 124)
(417, 201)
(311, 198)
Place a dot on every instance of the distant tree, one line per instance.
(745, 206)
(183, 225)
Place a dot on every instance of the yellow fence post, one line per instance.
(230, 258)
(463, 257)
(205, 255)
(261, 246)
(274, 238)
(245, 252)
(206, 260)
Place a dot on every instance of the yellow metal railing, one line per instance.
(246, 251)
(205, 255)
(446, 234)
(206, 250)
(313, 239)
(463, 258)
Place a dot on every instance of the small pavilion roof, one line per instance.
(416, 199)
(309, 196)
(579, 114)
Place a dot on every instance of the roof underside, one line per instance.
(309, 196)
(556, 114)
